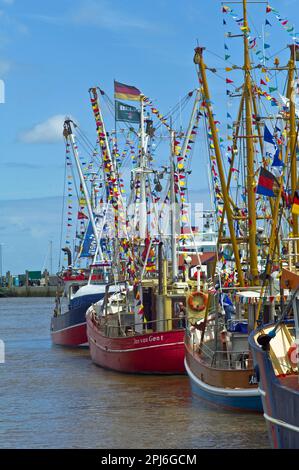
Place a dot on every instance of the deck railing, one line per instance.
(135, 329)
(215, 358)
(226, 359)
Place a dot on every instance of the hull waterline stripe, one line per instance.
(242, 392)
(67, 328)
(133, 349)
(281, 423)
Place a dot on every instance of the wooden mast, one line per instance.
(251, 198)
(292, 132)
(198, 59)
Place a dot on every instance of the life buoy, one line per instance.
(197, 308)
(293, 354)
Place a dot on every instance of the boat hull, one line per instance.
(280, 403)
(214, 385)
(69, 328)
(71, 336)
(149, 353)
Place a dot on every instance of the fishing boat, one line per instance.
(275, 343)
(218, 359)
(140, 328)
(80, 286)
(68, 327)
(276, 357)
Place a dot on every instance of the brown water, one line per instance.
(52, 397)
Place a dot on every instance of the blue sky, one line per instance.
(51, 52)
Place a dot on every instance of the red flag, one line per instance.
(262, 82)
(229, 81)
(81, 215)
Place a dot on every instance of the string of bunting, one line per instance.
(156, 112)
(285, 23)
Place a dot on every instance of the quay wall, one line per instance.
(28, 291)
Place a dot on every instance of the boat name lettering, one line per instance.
(148, 339)
(253, 380)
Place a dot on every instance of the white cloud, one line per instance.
(29, 224)
(46, 132)
(101, 14)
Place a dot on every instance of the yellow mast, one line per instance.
(234, 148)
(292, 132)
(198, 59)
(273, 241)
(251, 199)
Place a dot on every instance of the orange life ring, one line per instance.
(293, 354)
(197, 308)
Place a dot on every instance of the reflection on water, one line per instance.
(52, 397)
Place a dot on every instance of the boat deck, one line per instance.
(290, 381)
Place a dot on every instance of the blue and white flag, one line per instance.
(88, 239)
(271, 149)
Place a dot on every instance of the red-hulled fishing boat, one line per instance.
(122, 341)
(140, 327)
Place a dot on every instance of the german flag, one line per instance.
(126, 92)
(266, 182)
(295, 206)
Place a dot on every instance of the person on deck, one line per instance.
(181, 314)
(228, 307)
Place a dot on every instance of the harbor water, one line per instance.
(52, 397)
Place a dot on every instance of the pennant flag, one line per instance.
(271, 148)
(295, 206)
(81, 215)
(126, 92)
(267, 23)
(265, 183)
(262, 82)
(126, 113)
(229, 81)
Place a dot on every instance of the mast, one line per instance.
(173, 211)
(251, 199)
(198, 59)
(114, 195)
(292, 132)
(68, 133)
(143, 215)
(51, 257)
(190, 126)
